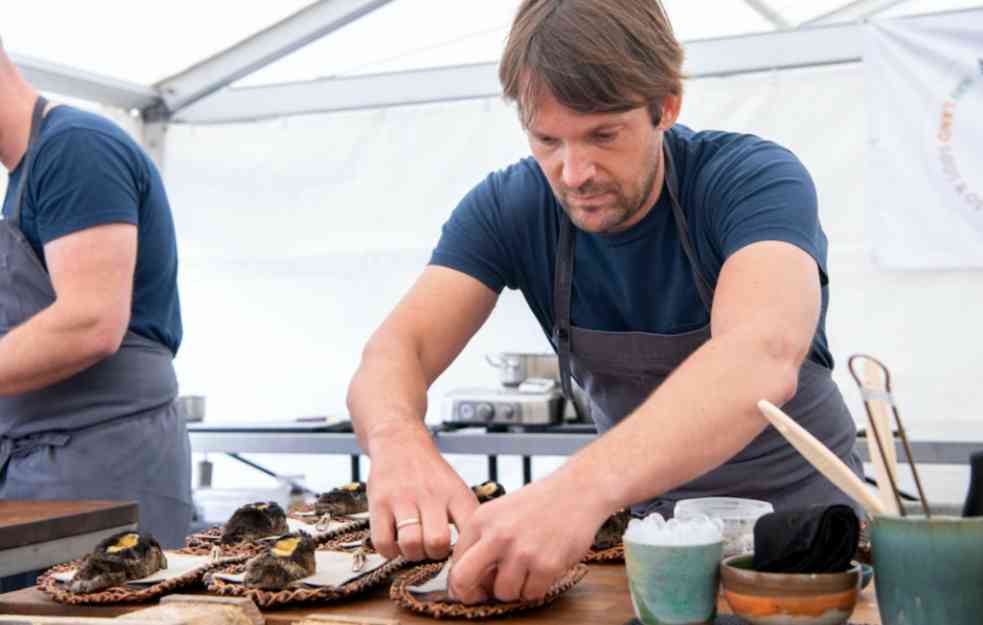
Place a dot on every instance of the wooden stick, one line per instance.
(825, 461)
(879, 424)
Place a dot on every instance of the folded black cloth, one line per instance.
(818, 539)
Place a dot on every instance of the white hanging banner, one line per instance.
(924, 99)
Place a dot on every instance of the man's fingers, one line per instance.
(472, 575)
(468, 527)
(538, 582)
(383, 534)
(436, 532)
(510, 579)
(409, 531)
(461, 509)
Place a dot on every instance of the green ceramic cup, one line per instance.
(674, 585)
(928, 571)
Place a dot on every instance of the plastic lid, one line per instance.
(724, 507)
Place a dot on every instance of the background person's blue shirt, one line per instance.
(735, 190)
(89, 172)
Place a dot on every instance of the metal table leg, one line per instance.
(356, 468)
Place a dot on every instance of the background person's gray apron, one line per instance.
(619, 370)
(111, 431)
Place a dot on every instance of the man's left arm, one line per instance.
(92, 273)
(765, 313)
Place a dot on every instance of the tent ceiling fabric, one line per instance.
(706, 58)
(461, 32)
(261, 49)
(133, 40)
(116, 62)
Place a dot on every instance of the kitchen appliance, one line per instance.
(536, 402)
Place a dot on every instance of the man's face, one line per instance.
(602, 167)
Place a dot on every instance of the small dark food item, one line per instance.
(611, 532)
(288, 559)
(488, 491)
(348, 499)
(116, 560)
(254, 521)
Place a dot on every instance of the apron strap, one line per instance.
(562, 289)
(682, 228)
(37, 117)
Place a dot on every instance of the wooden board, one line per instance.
(25, 523)
(601, 599)
(43, 555)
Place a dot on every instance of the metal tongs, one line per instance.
(875, 390)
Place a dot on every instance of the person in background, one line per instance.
(681, 276)
(90, 319)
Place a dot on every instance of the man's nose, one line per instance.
(578, 168)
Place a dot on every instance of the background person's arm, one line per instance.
(92, 274)
(387, 400)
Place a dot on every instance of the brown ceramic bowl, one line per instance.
(799, 598)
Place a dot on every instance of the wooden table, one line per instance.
(600, 599)
(38, 534)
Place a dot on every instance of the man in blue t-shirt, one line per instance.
(89, 316)
(680, 275)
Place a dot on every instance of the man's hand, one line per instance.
(409, 479)
(515, 547)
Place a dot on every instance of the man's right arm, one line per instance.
(387, 400)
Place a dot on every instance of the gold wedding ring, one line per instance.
(407, 522)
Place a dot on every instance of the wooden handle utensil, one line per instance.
(879, 424)
(825, 461)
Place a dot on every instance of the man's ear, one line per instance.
(666, 115)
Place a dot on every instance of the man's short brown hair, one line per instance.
(593, 56)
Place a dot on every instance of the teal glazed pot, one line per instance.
(928, 571)
(674, 585)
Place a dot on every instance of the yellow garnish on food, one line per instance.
(125, 542)
(350, 487)
(487, 488)
(284, 548)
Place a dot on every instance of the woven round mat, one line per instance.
(302, 512)
(203, 543)
(611, 554)
(337, 542)
(123, 594)
(400, 593)
(300, 593)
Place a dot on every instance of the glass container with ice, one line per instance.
(673, 568)
(737, 515)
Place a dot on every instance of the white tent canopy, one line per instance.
(206, 62)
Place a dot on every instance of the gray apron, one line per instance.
(109, 432)
(619, 370)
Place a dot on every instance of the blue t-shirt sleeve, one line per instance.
(478, 236)
(762, 192)
(85, 178)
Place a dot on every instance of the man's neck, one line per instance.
(16, 106)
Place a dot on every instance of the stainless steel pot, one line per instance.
(514, 368)
(191, 407)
